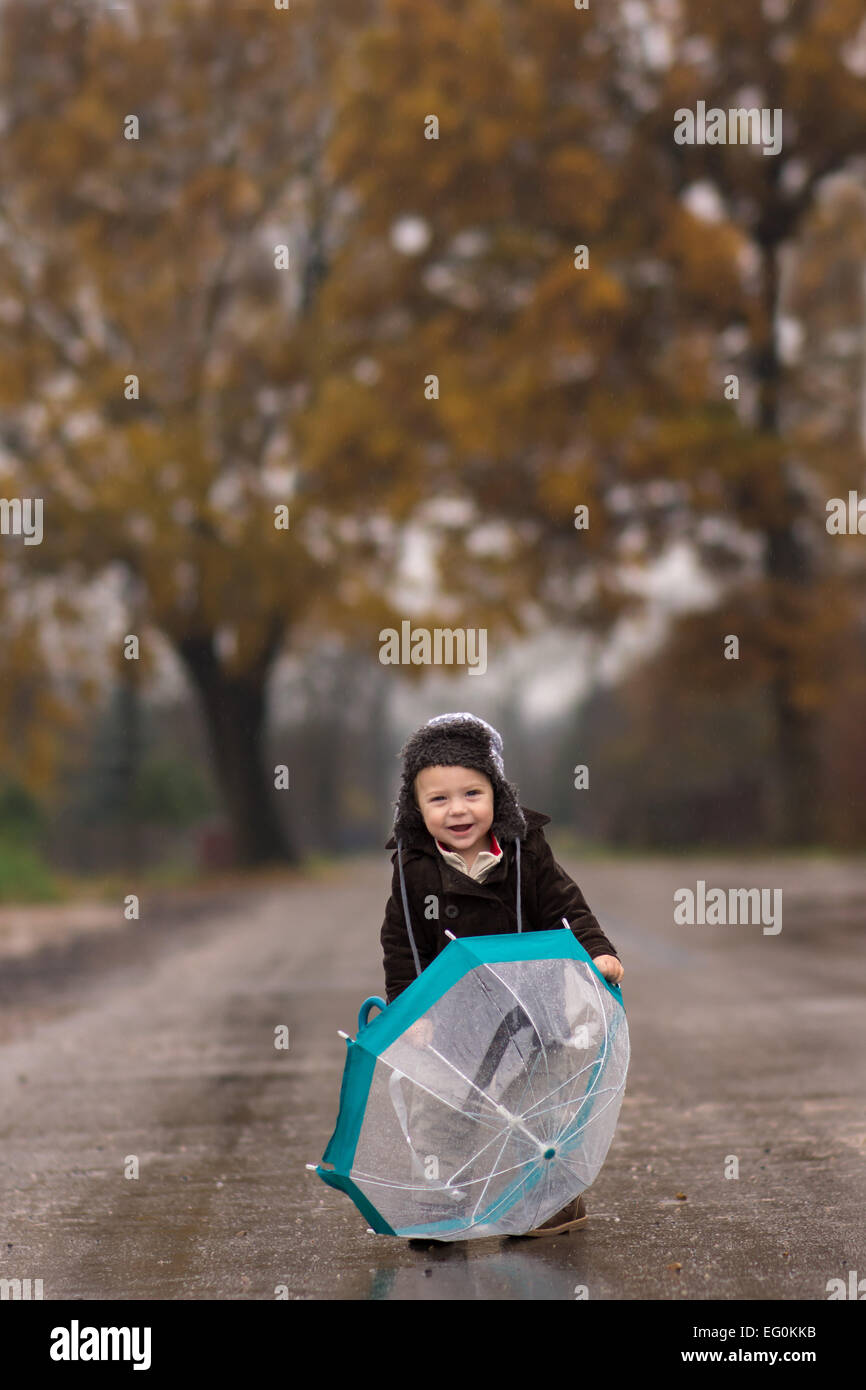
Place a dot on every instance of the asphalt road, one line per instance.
(154, 1042)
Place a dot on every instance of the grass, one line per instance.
(24, 875)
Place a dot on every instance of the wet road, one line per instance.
(152, 1045)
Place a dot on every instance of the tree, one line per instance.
(607, 388)
(408, 259)
(147, 180)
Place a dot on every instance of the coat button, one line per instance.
(451, 910)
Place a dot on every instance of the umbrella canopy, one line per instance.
(485, 1097)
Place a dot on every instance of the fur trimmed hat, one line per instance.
(457, 740)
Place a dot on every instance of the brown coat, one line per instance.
(469, 908)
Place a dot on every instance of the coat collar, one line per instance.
(423, 843)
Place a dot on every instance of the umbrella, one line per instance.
(485, 1097)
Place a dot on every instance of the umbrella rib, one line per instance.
(527, 1114)
(450, 1104)
(571, 1129)
(588, 1095)
(565, 1137)
(614, 1090)
(463, 1077)
(506, 1196)
(358, 1173)
(513, 1037)
(508, 1131)
(598, 1060)
(573, 1078)
(489, 1178)
(473, 1158)
(509, 1134)
(495, 1172)
(516, 996)
(529, 1083)
(571, 1101)
(420, 1084)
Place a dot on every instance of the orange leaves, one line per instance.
(704, 257)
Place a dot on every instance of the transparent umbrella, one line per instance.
(486, 1096)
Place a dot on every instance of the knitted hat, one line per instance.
(457, 740)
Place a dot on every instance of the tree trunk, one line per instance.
(790, 567)
(234, 711)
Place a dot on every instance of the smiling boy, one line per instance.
(457, 806)
(456, 820)
(474, 863)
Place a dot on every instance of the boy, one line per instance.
(473, 861)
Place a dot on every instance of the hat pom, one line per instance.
(493, 735)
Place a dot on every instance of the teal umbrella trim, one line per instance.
(459, 957)
(355, 1087)
(364, 1205)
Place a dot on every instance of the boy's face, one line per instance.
(457, 806)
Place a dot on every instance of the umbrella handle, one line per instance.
(366, 1007)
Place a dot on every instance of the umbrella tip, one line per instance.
(451, 934)
(370, 1231)
(312, 1166)
(341, 1034)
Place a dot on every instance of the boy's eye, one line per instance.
(437, 796)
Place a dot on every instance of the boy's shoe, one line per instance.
(569, 1219)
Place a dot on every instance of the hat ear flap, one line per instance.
(509, 822)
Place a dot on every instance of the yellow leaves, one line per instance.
(38, 715)
(689, 363)
(565, 299)
(214, 187)
(577, 188)
(491, 138)
(704, 257)
(91, 121)
(15, 375)
(560, 489)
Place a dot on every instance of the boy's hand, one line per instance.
(421, 1032)
(610, 968)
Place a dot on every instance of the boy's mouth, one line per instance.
(459, 829)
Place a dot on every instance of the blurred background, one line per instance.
(237, 246)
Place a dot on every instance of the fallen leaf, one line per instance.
(681, 1196)
(675, 1265)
